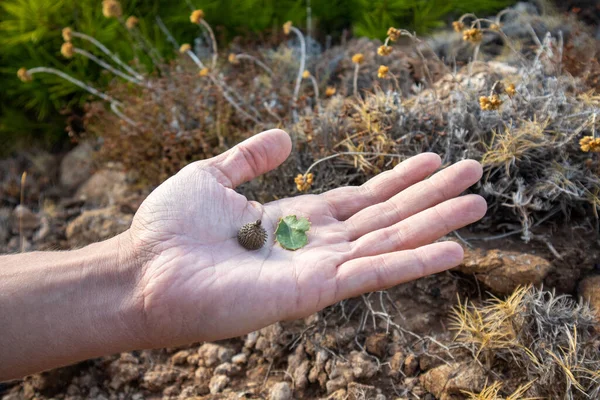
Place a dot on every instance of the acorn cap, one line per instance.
(252, 236)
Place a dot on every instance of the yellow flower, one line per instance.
(510, 90)
(24, 75)
(67, 34)
(458, 26)
(287, 27)
(111, 9)
(358, 58)
(203, 72)
(196, 16)
(185, 48)
(306, 74)
(233, 58)
(393, 34)
(589, 143)
(304, 182)
(131, 22)
(67, 49)
(473, 35)
(490, 103)
(330, 91)
(384, 50)
(383, 71)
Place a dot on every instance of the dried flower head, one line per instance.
(111, 9)
(24, 75)
(67, 34)
(458, 26)
(358, 58)
(589, 143)
(510, 90)
(132, 22)
(383, 71)
(472, 35)
(196, 16)
(287, 27)
(232, 58)
(330, 91)
(67, 49)
(203, 72)
(490, 103)
(185, 48)
(494, 27)
(393, 34)
(306, 74)
(252, 236)
(303, 182)
(384, 50)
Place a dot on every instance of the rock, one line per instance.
(159, 377)
(411, 365)
(218, 383)
(212, 354)
(396, 363)
(376, 344)
(104, 188)
(52, 382)
(180, 357)
(239, 359)
(300, 375)
(503, 271)
(280, 391)
(589, 290)
(123, 371)
(25, 219)
(228, 369)
(363, 367)
(76, 166)
(317, 371)
(336, 385)
(97, 225)
(447, 381)
(251, 339)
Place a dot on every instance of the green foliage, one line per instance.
(291, 232)
(420, 16)
(30, 36)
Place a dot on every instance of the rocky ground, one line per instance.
(393, 344)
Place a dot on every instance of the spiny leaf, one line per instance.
(291, 232)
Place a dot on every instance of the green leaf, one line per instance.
(291, 232)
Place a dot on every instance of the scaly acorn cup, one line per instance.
(252, 236)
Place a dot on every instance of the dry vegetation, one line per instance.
(516, 92)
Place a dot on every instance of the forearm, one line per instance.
(57, 308)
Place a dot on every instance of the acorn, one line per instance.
(252, 236)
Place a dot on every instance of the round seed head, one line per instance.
(252, 236)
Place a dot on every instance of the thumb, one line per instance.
(251, 158)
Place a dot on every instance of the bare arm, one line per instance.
(60, 307)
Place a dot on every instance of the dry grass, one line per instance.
(548, 342)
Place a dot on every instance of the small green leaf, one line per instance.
(291, 232)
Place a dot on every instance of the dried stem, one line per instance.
(22, 200)
(355, 80)
(316, 90)
(107, 66)
(351, 153)
(113, 56)
(300, 70)
(242, 56)
(213, 42)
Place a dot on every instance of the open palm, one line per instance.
(198, 283)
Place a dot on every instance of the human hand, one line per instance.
(197, 283)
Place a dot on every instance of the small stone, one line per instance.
(97, 225)
(76, 166)
(228, 369)
(239, 359)
(280, 391)
(396, 363)
(104, 188)
(218, 383)
(363, 367)
(25, 219)
(447, 381)
(376, 344)
(180, 357)
(339, 394)
(411, 365)
(213, 353)
(589, 290)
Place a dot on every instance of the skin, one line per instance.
(178, 275)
